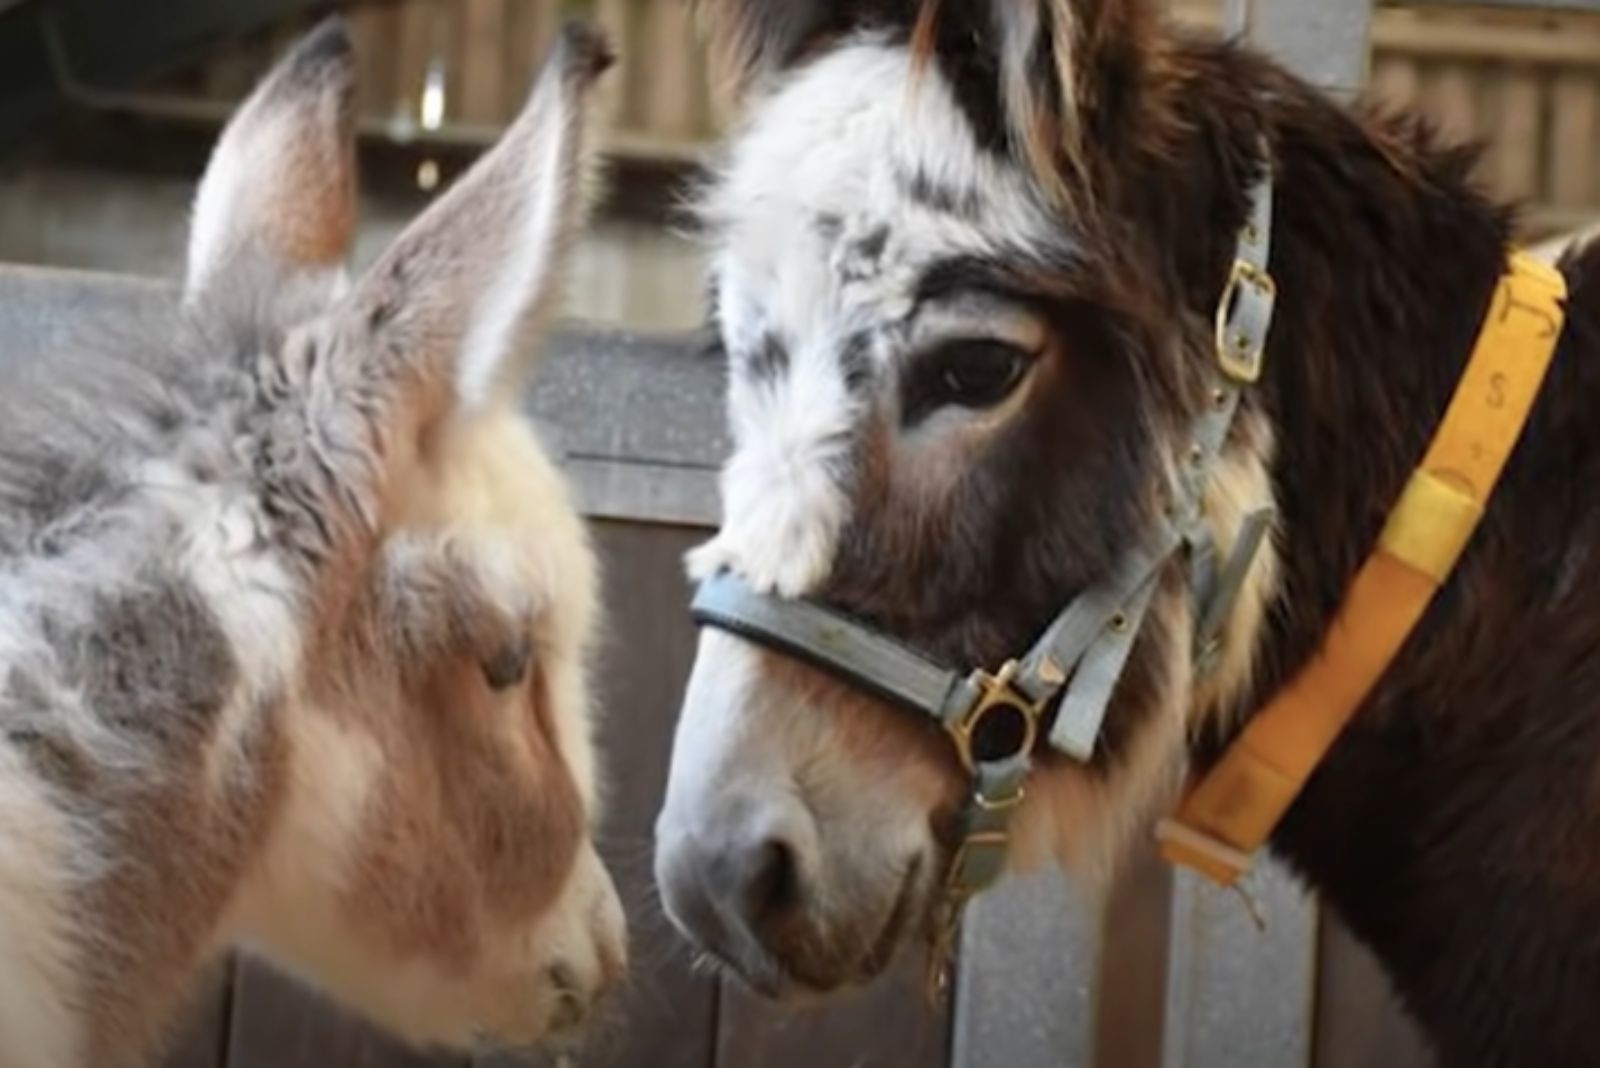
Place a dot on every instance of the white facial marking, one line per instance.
(824, 238)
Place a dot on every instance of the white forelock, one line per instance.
(821, 239)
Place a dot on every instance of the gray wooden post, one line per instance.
(1324, 41)
(1025, 994)
(1238, 994)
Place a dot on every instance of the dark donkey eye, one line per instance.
(970, 373)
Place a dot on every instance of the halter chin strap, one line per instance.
(995, 719)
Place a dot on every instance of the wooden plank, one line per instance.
(1025, 991)
(278, 1024)
(1575, 139)
(1450, 98)
(413, 50)
(1574, 42)
(1515, 155)
(630, 20)
(1359, 1022)
(1538, 6)
(888, 1024)
(1396, 80)
(445, 55)
(375, 30)
(671, 102)
(1236, 994)
(530, 30)
(480, 58)
(1132, 977)
(202, 1041)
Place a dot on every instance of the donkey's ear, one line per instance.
(752, 38)
(459, 296)
(276, 211)
(1072, 74)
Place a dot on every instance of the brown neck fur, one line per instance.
(1453, 826)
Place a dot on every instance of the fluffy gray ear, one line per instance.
(276, 210)
(440, 327)
(461, 294)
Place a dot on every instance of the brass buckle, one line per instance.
(1239, 358)
(955, 887)
(994, 692)
(957, 893)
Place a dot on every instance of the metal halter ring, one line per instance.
(1240, 351)
(997, 696)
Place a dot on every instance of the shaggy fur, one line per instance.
(1067, 178)
(294, 613)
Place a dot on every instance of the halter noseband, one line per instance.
(995, 718)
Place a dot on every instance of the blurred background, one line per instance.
(108, 110)
(109, 119)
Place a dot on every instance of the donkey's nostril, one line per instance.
(768, 883)
(738, 884)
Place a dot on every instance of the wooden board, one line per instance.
(1132, 975)
(1515, 148)
(375, 31)
(279, 1024)
(886, 1025)
(1575, 141)
(481, 61)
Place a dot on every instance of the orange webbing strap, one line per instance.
(1230, 813)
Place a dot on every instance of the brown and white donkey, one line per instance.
(966, 261)
(294, 612)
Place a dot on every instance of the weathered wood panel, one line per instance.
(1131, 979)
(279, 1024)
(887, 1025)
(1529, 85)
(1575, 141)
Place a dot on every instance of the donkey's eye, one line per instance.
(973, 373)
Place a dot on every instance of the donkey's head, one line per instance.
(430, 861)
(968, 332)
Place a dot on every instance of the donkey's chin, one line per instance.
(811, 958)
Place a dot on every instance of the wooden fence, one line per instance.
(1527, 83)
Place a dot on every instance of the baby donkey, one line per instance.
(294, 612)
